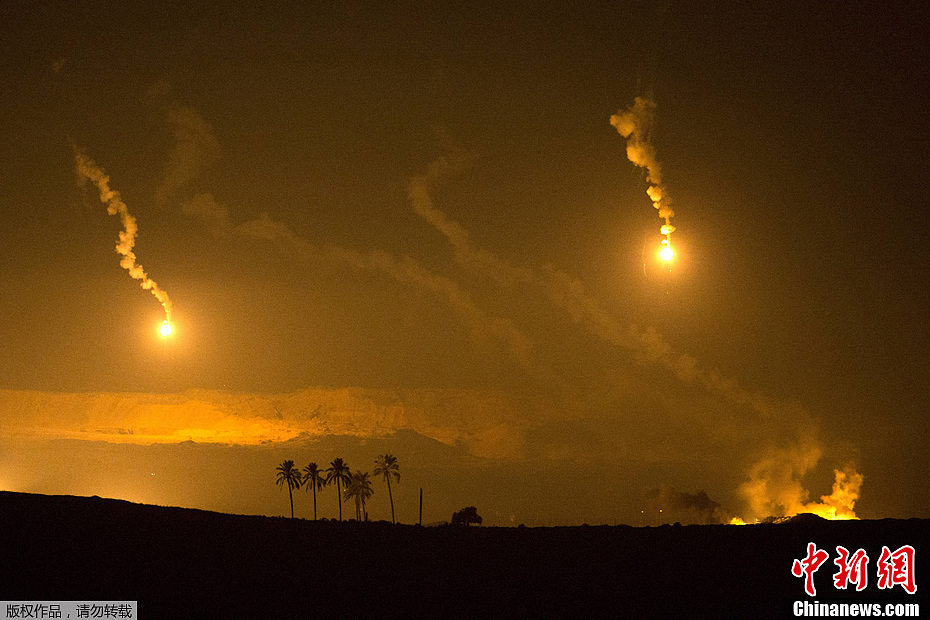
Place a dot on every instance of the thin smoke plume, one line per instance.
(89, 171)
(406, 271)
(196, 148)
(775, 484)
(635, 124)
(684, 507)
(466, 254)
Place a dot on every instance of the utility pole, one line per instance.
(421, 506)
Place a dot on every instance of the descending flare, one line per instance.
(635, 124)
(666, 253)
(88, 170)
(165, 329)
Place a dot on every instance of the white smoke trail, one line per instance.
(775, 480)
(404, 270)
(569, 295)
(635, 124)
(476, 259)
(88, 170)
(196, 147)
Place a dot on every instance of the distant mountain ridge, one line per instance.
(487, 423)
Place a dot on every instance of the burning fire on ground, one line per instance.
(837, 506)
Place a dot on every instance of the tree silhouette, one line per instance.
(466, 516)
(359, 487)
(352, 491)
(386, 466)
(313, 478)
(288, 474)
(339, 472)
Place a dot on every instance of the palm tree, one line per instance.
(353, 490)
(290, 475)
(339, 472)
(386, 466)
(359, 487)
(313, 478)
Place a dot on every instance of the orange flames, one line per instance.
(837, 506)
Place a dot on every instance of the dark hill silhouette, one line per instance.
(807, 518)
(181, 563)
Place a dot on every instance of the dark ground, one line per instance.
(181, 563)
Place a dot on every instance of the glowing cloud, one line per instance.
(88, 170)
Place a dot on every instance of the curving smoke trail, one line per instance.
(88, 170)
(635, 124)
(775, 486)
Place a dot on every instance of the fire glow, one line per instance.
(837, 506)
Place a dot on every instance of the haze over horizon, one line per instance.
(413, 230)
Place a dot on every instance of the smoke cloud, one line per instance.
(404, 270)
(89, 171)
(476, 259)
(205, 208)
(775, 485)
(635, 124)
(775, 488)
(774, 479)
(195, 149)
(570, 295)
(668, 504)
(407, 271)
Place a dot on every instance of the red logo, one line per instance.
(808, 566)
(897, 569)
(851, 569)
(894, 568)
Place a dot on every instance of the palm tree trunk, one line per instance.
(392, 500)
(339, 497)
(291, 494)
(314, 499)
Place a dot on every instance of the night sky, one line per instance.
(411, 228)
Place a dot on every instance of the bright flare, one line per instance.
(165, 329)
(667, 253)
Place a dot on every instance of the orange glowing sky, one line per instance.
(413, 229)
